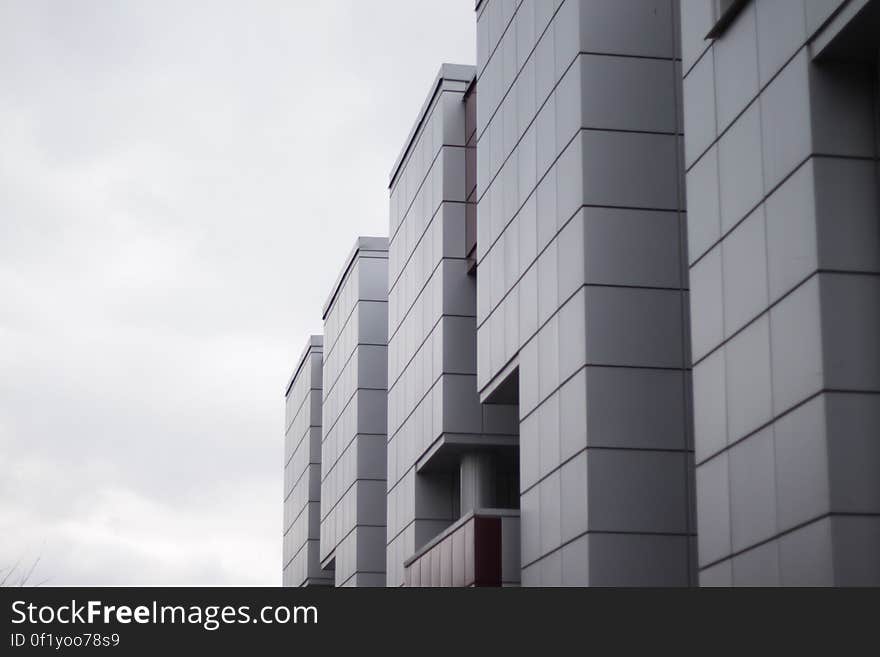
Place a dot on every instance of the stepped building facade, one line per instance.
(625, 327)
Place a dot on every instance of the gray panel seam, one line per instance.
(421, 345)
(414, 521)
(434, 214)
(421, 399)
(752, 101)
(299, 479)
(766, 196)
(782, 414)
(348, 358)
(538, 182)
(586, 365)
(556, 235)
(421, 291)
(604, 532)
(534, 118)
(344, 324)
(524, 341)
(326, 512)
(326, 473)
(300, 443)
(601, 448)
(300, 439)
(765, 311)
(790, 530)
(406, 212)
(299, 408)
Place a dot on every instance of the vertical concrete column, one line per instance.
(478, 484)
(433, 405)
(354, 408)
(784, 256)
(302, 471)
(581, 285)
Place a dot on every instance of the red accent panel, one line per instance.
(487, 551)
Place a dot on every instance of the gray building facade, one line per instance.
(354, 408)
(582, 293)
(448, 455)
(633, 309)
(784, 256)
(302, 471)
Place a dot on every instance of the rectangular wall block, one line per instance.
(302, 471)
(354, 409)
(434, 410)
(785, 306)
(582, 293)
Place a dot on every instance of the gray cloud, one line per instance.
(179, 184)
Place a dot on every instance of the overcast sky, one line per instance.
(180, 183)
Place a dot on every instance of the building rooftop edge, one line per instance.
(363, 243)
(451, 72)
(313, 342)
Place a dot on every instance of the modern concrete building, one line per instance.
(354, 409)
(784, 256)
(449, 457)
(582, 293)
(302, 471)
(633, 318)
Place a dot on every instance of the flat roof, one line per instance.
(362, 244)
(312, 343)
(447, 73)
